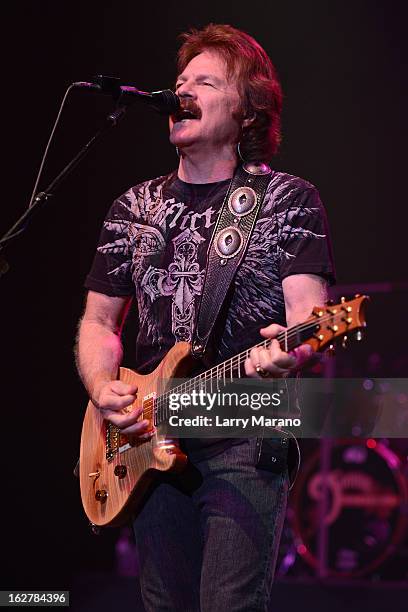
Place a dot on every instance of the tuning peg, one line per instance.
(317, 312)
(344, 342)
(359, 335)
(330, 351)
(342, 299)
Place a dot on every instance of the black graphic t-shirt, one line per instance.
(154, 245)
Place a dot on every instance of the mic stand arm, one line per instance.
(42, 196)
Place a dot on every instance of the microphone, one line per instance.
(165, 102)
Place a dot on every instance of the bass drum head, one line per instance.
(365, 516)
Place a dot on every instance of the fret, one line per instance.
(233, 365)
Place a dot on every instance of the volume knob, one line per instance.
(120, 471)
(101, 495)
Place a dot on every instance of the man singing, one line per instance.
(207, 539)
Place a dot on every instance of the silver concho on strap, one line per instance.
(228, 242)
(256, 168)
(242, 201)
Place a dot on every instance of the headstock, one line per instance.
(335, 321)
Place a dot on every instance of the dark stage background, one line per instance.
(342, 66)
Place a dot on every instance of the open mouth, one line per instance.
(185, 114)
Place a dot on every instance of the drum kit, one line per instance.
(351, 519)
(347, 515)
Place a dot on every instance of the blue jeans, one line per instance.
(208, 539)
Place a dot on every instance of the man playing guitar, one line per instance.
(207, 539)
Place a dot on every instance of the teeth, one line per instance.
(186, 114)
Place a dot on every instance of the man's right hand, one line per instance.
(114, 399)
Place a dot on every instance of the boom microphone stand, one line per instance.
(164, 102)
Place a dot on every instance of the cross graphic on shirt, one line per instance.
(182, 280)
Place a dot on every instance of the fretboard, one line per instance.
(217, 377)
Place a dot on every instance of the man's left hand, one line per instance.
(273, 362)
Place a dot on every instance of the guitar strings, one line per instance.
(235, 362)
(161, 401)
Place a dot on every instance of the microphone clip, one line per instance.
(109, 85)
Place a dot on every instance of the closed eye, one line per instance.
(206, 83)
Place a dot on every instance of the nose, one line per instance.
(186, 90)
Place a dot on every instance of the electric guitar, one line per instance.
(115, 471)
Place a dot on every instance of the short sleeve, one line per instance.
(304, 244)
(110, 272)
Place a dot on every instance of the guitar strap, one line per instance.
(228, 245)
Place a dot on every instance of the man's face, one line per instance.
(205, 91)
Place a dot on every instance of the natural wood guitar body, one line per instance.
(119, 493)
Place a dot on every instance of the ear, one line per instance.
(248, 121)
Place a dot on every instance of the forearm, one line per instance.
(98, 356)
(302, 293)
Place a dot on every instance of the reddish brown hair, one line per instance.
(258, 85)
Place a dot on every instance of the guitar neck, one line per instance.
(224, 373)
(325, 324)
